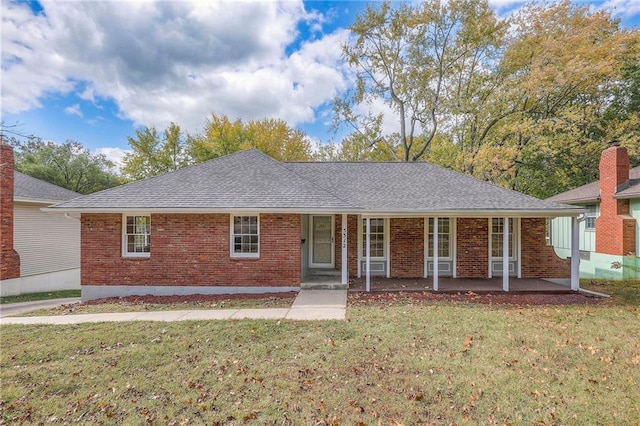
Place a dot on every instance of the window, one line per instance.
(497, 233)
(444, 237)
(137, 236)
(376, 237)
(548, 231)
(245, 236)
(590, 218)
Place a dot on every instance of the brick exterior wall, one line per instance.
(615, 227)
(190, 250)
(9, 258)
(406, 238)
(352, 244)
(538, 259)
(472, 242)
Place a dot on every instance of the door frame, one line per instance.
(311, 242)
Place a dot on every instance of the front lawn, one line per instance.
(31, 297)
(400, 361)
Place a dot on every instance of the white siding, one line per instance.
(46, 242)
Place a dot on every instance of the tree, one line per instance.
(418, 63)
(563, 63)
(154, 154)
(273, 137)
(68, 165)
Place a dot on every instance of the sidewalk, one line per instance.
(309, 305)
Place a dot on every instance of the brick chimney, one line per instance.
(9, 258)
(615, 227)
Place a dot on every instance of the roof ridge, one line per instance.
(288, 169)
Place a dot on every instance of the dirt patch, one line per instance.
(516, 299)
(192, 298)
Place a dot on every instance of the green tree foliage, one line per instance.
(530, 108)
(564, 64)
(69, 165)
(425, 64)
(153, 153)
(275, 138)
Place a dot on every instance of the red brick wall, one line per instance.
(472, 242)
(352, 244)
(615, 228)
(190, 250)
(538, 259)
(9, 258)
(406, 238)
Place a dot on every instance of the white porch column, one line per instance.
(575, 254)
(505, 254)
(368, 254)
(435, 254)
(345, 273)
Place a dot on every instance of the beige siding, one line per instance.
(46, 242)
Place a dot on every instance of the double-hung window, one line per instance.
(497, 235)
(444, 238)
(136, 236)
(376, 237)
(245, 236)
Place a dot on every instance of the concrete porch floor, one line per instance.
(455, 285)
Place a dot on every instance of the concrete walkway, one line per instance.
(309, 305)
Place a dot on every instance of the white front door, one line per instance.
(322, 247)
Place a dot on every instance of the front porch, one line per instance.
(447, 254)
(462, 285)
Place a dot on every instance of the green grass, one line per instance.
(621, 291)
(40, 296)
(403, 362)
(116, 307)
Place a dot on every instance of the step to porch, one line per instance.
(323, 282)
(319, 272)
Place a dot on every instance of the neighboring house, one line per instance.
(610, 231)
(248, 223)
(40, 251)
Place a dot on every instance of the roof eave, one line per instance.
(35, 201)
(567, 212)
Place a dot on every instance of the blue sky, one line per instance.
(95, 71)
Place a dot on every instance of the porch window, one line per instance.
(137, 236)
(245, 236)
(376, 237)
(444, 238)
(590, 218)
(497, 234)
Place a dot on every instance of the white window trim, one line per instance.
(361, 255)
(125, 253)
(516, 240)
(452, 233)
(594, 214)
(231, 234)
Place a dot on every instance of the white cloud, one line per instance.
(114, 154)
(171, 61)
(73, 110)
(622, 8)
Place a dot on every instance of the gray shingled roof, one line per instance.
(252, 180)
(590, 192)
(32, 189)
(415, 186)
(248, 179)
